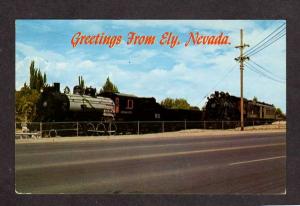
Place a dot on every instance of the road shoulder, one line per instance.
(179, 134)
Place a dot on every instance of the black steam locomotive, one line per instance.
(222, 106)
(88, 107)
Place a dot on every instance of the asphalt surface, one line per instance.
(231, 164)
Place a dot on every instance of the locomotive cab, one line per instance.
(52, 105)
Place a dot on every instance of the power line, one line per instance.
(264, 38)
(251, 49)
(252, 54)
(261, 73)
(254, 69)
(267, 41)
(266, 70)
(266, 75)
(223, 77)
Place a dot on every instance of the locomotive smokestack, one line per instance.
(56, 86)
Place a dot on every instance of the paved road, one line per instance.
(252, 163)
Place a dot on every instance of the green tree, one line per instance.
(36, 80)
(26, 100)
(176, 104)
(279, 113)
(109, 87)
(28, 96)
(81, 82)
(45, 79)
(32, 75)
(168, 103)
(181, 104)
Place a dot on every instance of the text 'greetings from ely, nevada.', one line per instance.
(166, 39)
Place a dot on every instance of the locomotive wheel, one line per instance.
(80, 129)
(83, 129)
(100, 128)
(52, 133)
(110, 128)
(90, 129)
(113, 128)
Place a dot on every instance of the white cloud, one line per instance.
(188, 72)
(61, 65)
(86, 64)
(30, 51)
(142, 56)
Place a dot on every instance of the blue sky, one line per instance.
(153, 71)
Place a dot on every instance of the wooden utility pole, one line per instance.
(241, 59)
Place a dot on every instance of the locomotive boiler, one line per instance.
(82, 105)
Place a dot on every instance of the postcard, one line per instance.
(150, 106)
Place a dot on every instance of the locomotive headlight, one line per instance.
(45, 104)
(41, 90)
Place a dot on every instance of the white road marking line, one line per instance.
(257, 160)
(140, 157)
